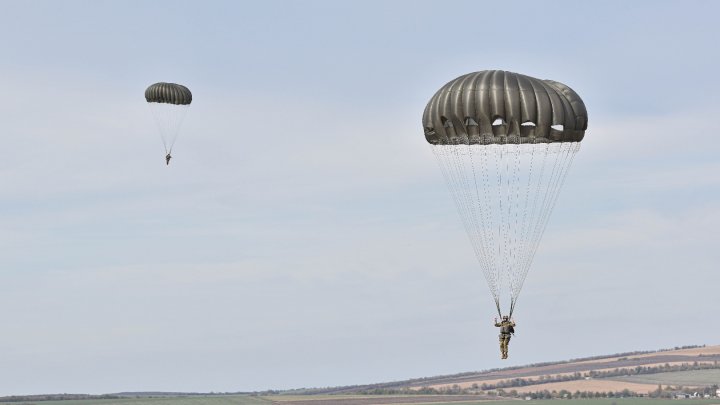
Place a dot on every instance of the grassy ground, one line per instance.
(687, 378)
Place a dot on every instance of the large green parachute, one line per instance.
(169, 103)
(504, 143)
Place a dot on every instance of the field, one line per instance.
(184, 400)
(588, 385)
(686, 378)
(645, 383)
(641, 383)
(380, 399)
(377, 399)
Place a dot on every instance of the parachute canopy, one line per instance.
(168, 93)
(504, 143)
(169, 103)
(497, 107)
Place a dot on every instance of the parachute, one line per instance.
(504, 143)
(169, 103)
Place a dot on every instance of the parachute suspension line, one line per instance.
(523, 226)
(536, 214)
(504, 204)
(497, 216)
(169, 119)
(456, 162)
(485, 233)
(452, 170)
(508, 158)
(544, 148)
(464, 158)
(507, 216)
(548, 199)
(504, 201)
(539, 210)
(555, 183)
(462, 189)
(489, 219)
(478, 229)
(481, 227)
(571, 150)
(515, 242)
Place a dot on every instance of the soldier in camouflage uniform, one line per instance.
(507, 329)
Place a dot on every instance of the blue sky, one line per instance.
(303, 236)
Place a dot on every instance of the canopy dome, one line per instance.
(498, 107)
(168, 93)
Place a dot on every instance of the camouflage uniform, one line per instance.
(507, 328)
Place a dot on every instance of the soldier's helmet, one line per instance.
(505, 317)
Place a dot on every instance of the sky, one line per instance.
(302, 236)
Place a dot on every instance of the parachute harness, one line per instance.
(505, 194)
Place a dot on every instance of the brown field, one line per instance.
(469, 383)
(587, 385)
(700, 351)
(708, 354)
(705, 351)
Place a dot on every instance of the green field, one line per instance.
(687, 378)
(248, 400)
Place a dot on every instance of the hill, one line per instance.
(659, 374)
(689, 367)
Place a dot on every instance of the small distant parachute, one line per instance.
(169, 103)
(504, 142)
